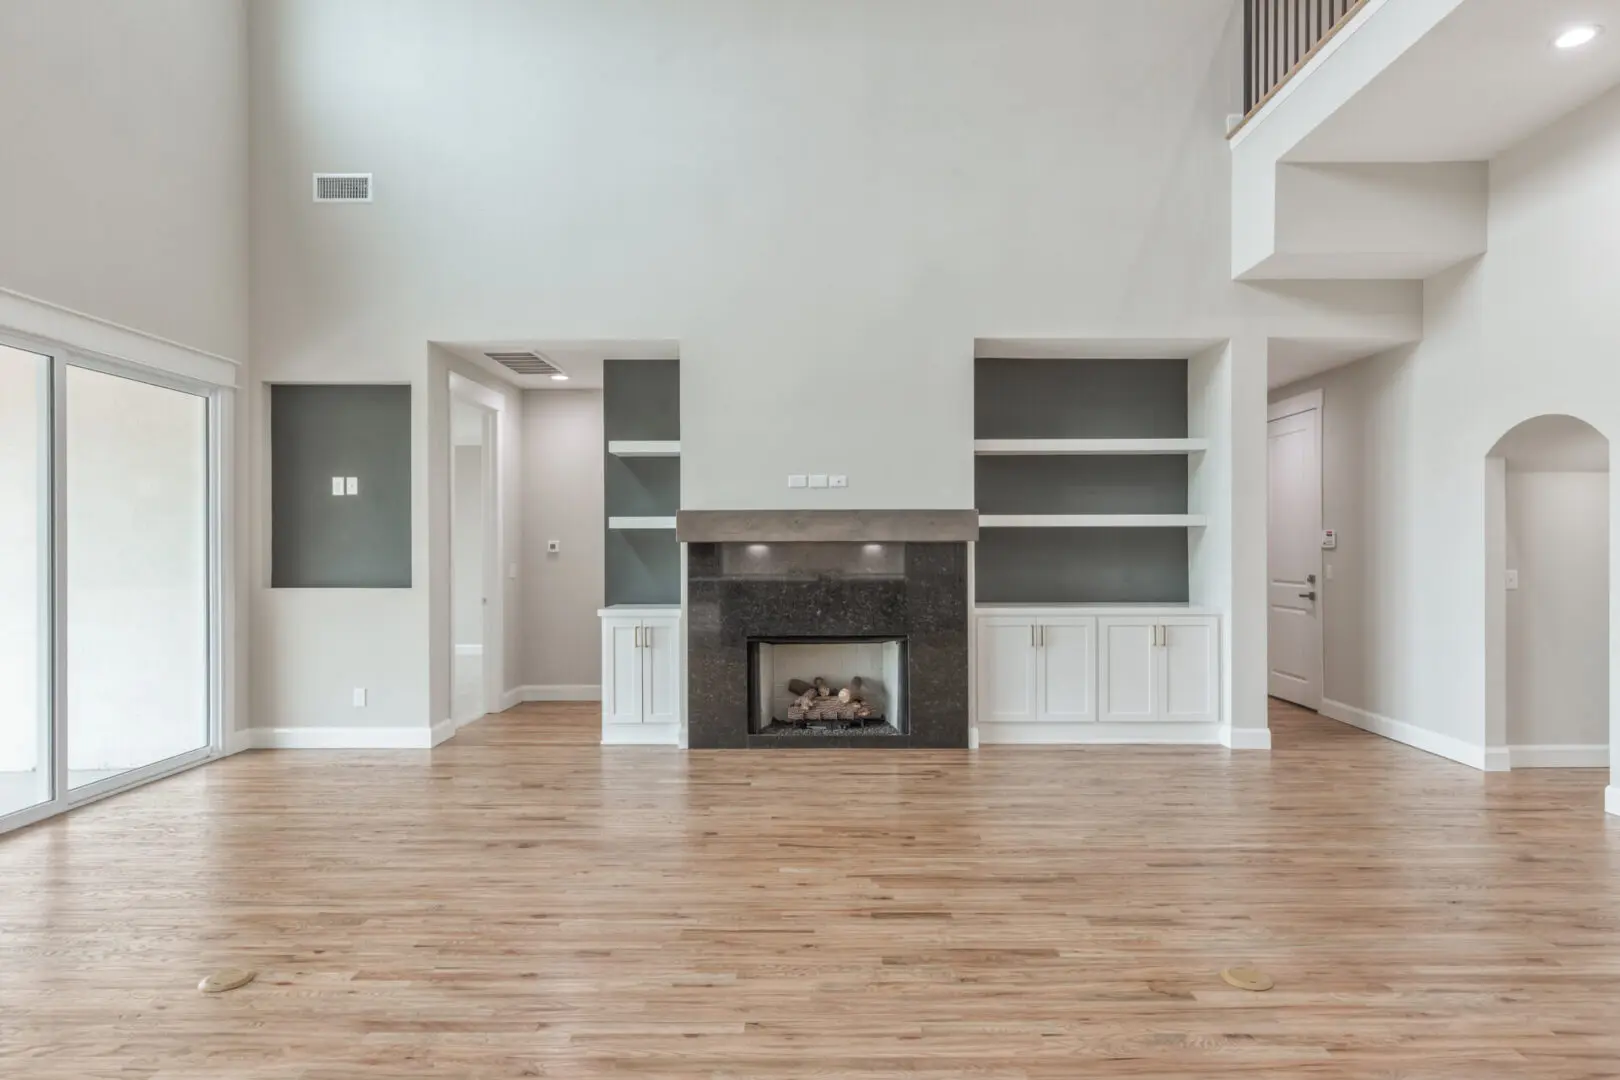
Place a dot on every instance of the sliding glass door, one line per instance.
(26, 776)
(137, 574)
(107, 584)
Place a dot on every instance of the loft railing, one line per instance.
(1279, 36)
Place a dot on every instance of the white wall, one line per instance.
(562, 500)
(815, 197)
(467, 545)
(1526, 330)
(124, 192)
(1558, 617)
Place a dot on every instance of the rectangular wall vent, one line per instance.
(525, 363)
(342, 187)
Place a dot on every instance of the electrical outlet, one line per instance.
(553, 546)
(359, 697)
(818, 480)
(798, 480)
(337, 485)
(511, 571)
(352, 483)
(838, 480)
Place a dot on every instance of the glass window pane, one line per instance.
(25, 769)
(137, 569)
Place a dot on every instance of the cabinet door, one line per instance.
(1008, 687)
(661, 671)
(621, 671)
(1068, 668)
(1127, 670)
(1191, 676)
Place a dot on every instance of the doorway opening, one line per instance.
(1294, 550)
(472, 558)
(1547, 595)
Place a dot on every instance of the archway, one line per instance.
(1547, 595)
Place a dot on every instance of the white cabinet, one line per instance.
(1089, 673)
(1036, 669)
(1157, 668)
(641, 675)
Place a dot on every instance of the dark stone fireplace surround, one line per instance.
(920, 595)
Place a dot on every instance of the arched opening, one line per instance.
(1547, 600)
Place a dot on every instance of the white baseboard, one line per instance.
(641, 735)
(564, 692)
(469, 650)
(237, 741)
(345, 738)
(1082, 733)
(1430, 742)
(510, 698)
(445, 729)
(1611, 800)
(1554, 756)
(1245, 738)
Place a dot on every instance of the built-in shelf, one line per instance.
(1092, 521)
(1056, 447)
(641, 523)
(643, 448)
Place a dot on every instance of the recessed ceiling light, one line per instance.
(1576, 36)
(559, 377)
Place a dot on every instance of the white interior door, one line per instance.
(1294, 552)
(470, 565)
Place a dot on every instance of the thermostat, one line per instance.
(1330, 539)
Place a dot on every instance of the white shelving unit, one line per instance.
(1061, 447)
(629, 448)
(641, 523)
(1092, 521)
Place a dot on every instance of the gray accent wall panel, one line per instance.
(1081, 566)
(322, 541)
(1080, 399)
(1137, 484)
(641, 400)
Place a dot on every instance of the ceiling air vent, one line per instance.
(525, 363)
(342, 187)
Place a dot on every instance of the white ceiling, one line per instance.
(1292, 359)
(1554, 443)
(1484, 79)
(1090, 348)
(580, 360)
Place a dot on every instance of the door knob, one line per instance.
(1310, 579)
(1308, 595)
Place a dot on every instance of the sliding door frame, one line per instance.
(216, 445)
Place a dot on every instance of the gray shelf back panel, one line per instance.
(322, 541)
(641, 400)
(1137, 484)
(1082, 566)
(1080, 399)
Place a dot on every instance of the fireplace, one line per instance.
(774, 597)
(827, 686)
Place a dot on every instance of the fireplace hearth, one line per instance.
(765, 617)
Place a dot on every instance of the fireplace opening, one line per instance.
(827, 686)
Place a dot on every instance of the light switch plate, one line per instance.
(337, 485)
(359, 697)
(838, 480)
(818, 480)
(353, 484)
(797, 480)
(1512, 579)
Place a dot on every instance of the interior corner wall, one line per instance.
(1523, 331)
(562, 501)
(125, 190)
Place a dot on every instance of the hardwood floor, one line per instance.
(521, 902)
